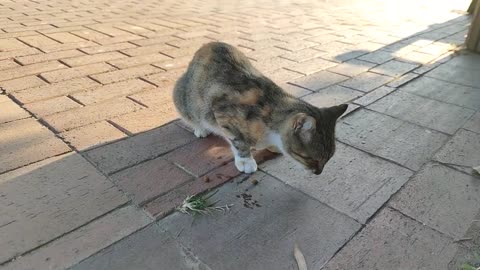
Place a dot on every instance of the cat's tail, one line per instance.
(302, 264)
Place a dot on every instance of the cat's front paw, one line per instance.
(201, 133)
(246, 165)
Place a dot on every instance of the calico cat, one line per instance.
(221, 92)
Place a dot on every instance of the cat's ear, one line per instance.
(303, 122)
(338, 110)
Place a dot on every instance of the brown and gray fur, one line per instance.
(222, 92)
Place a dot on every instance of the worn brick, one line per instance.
(6, 64)
(394, 68)
(178, 62)
(68, 46)
(283, 75)
(165, 80)
(11, 44)
(162, 206)
(377, 57)
(374, 95)
(90, 114)
(461, 151)
(429, 113)
(18, 147)
(294, 90)
(303, 55)
(93, 135)
(202, 156)
(37, 58)
(125, 74)
(65, 37)
(473, 124)
(51, 106)
(69, 192)
(125, 153)
(147, 119)
(54, 90)
(74, 247)
(272, 64)
(398, 242)
(106, 92)
(10, 111)
(312, 66)
(22, 83)
(90, 59)
(38, 41)
(331, 96)
(139, 60)
(266, 53)
(352, 67)
(319, 80)
(23, 71)
(153, 49)
(76, 72)
(367, 81)
(108, 48)
(150, 179)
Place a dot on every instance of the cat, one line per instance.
(221, 92)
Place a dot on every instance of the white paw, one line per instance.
(246, 165)
(200, 132)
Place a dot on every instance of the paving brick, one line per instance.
(272, 64)
(416, 57)
(461, 151)
(294, 90)
(394, 241)
(177, 63)
(374, 95)
(444, 91)
(53, 90)
(152, 245)
(139, 60)
(21, 83)
(473, 124)
(303, 55)
(394, 68)
(312, 66)
(437, 190)
(403, 80)
(202, 156)
(69, 192)
(125, 74)
(148, 50)
(68, 46)
(93, 135)
(16, 53)
(65, 37)
(90, 59)
(352, 182)
(147, 119)
(165, 80)
(331, 96)
(425, 112)
(108, 48)
(51, 106)
(110, 91)
(26, 141)
(6, 64)
(23, 71)
(76, 72)
(377, 57)
(37, 58)
(89, 114)
(11, 44)
(319, 80)
(11, 111)
(367, 81)
(118, 39)
(266, 53)
(319, 230)
(390, 138)
(89, 34)
(283, 75)
(462, 70)
(80, 244)
(352, 67)
(38, 41)
(150, 179)
(113, 157)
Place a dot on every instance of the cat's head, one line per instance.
(309, 138)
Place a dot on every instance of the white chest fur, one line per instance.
(270, 139)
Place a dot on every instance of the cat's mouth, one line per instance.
(315, 166)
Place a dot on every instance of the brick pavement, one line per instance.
(90, 145)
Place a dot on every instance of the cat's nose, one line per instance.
(318, 170)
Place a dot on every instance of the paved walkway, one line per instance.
(93, 161)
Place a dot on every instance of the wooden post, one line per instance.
(471, 8)
(473, 38)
